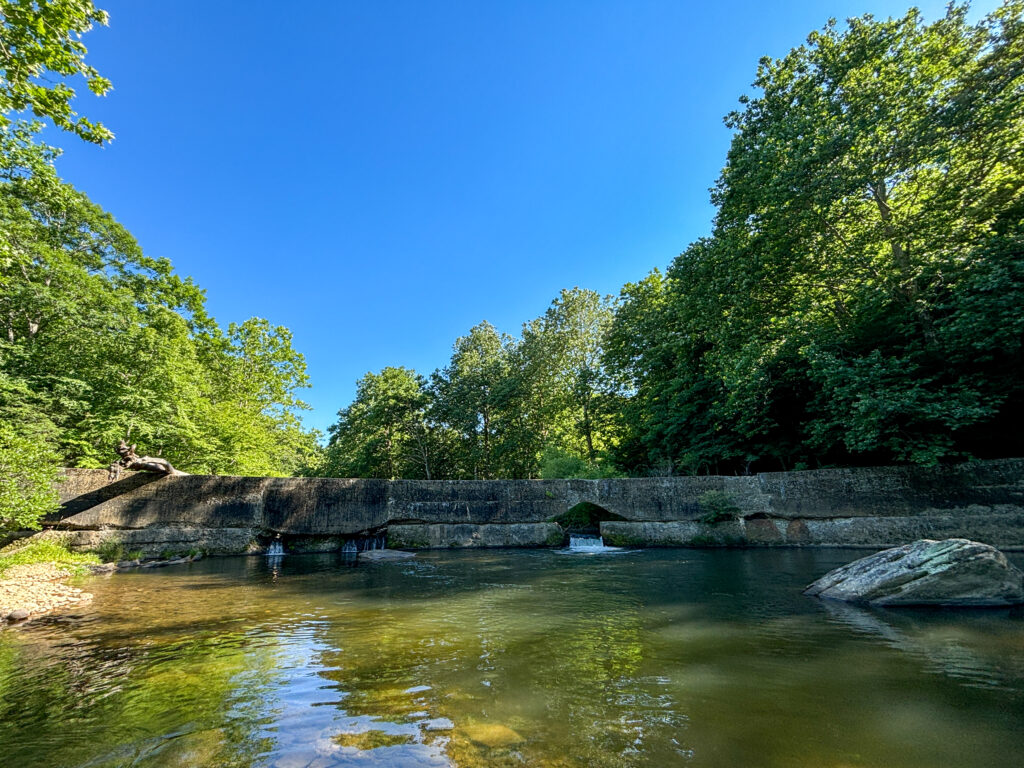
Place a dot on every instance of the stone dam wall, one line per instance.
(861, 507)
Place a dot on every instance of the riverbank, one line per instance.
(34, 572)
(27, 591)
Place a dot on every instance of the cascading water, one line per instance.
(589, 544)
(364, 544)
(276, 549)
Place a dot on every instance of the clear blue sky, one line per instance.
(381, 176)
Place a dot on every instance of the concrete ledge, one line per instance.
(458, 535)
(155, 540)
(1005, 531)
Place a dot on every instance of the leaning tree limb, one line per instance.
(131, 460)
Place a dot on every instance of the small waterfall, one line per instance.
(276, 549)
(589, 544)
(365, 544)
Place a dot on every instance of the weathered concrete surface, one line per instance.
(460, 535)
(1002, 530)
(154, 541)
(870, 507)
(324, 506)
(955, 572)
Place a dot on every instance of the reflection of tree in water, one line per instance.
(535, 668)
(176, 703)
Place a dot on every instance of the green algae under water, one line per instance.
(508, 658)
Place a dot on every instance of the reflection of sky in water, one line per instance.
(508, 658)
(308, 724)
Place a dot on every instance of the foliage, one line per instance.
(502, 407)
(860, 298)
(110, 551)
(41, 52)
(474, 400)
(29, 473)
(556, 464)
(383, 433)
(43, 550)
(717, 507)
(99, 341)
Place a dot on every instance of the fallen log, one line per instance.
(131, 460)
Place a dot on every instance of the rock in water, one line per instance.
(378, 555)
(956, 572)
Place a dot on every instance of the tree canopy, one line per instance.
(98, 340)
(859, 300)
(41, 54)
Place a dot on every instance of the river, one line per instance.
(703, 658)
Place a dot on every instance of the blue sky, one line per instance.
(381, 176)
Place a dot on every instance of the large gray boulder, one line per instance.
(955, 572)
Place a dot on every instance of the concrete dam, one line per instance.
(859, 507)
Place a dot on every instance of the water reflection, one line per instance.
(969, 644)
(507, 659)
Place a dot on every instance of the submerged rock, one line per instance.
(953, 572)
(385, 554)
(492, 734)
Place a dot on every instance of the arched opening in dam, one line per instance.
(585, 518)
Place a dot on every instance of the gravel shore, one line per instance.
(30, 590)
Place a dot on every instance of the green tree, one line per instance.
(859, 298)
(562, 352)
(99, 341)
(858, 189)
(384, 432)
(29, 473)
(41, 52)
(469, 395)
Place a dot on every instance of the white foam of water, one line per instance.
(276, 549)
(589, 544)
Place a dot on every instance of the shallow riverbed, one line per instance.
(508, 658)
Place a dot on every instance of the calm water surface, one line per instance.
(508, 658)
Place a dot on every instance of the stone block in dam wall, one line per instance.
(476, 501)
(649, 498)
(324, 506)
(1005, 531)
(894, 491)
(217, 502)
(460, 535)
(158, 540)
(680, 533)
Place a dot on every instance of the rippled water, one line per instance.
(508, 658)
